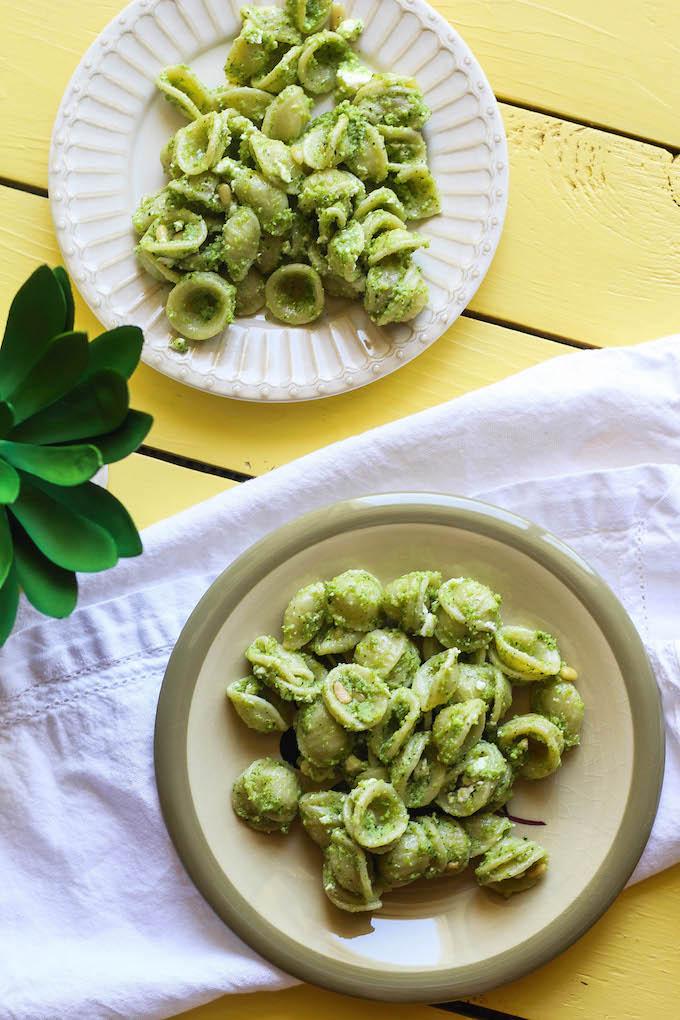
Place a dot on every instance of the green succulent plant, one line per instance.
(64, 412)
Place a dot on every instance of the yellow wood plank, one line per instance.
(252, 437)
(590, 248)
(153, 490)
(625, 968)
(608, 63)
(611, 63)
(307, 1003)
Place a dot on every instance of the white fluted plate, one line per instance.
(105, 150)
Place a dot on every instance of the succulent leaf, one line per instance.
(64, 412)
(63, 465)
(101, 507)
(55, 373)
(51, 589)
(6, 418)
(9, 603)
(125, 439)
(6, 554)
(118, 350)
(9, 483)
(37, 313)
(68, 539)
(62, 279)
(92, 407)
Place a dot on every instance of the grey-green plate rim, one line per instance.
(170, 744)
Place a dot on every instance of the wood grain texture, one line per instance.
(255, 438)
(611, 63)
(625, 968)
(608, 63)
(153, 490)
(307, 1003)
(591, 245)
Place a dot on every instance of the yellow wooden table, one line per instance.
(590, 256)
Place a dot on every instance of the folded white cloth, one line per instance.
(97, 917)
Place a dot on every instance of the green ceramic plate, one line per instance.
(446, 938)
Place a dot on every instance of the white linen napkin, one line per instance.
(97, 917)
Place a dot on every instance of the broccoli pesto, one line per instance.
(405, 752)
(281, 206)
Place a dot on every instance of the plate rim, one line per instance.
(179, 682)
(351, 378)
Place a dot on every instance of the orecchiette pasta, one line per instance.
(260, 708)
(250, 293)
(342, 898)
(377, 222)
(396, 726)
(512, 865)
(457, 728)
(355, 600)
(403, 763)
(287, 114)
(294, 294)
(266, 795)
(472, 783)
(282, 74)
(392, 100)
(252, 150)
(350, 865)
(345, 250)
(157, 266)
(532, 744)
(355, 696)
(200, 190)
(381, 198)
(320, 58)
(403, 146)
(525, 655)
(321, 813)
(484, 830)
(308, 15)
(293, 676)
(304, 615)
(435, 681)
(374, 815)
(174, 234)
(320, 775)
(321, 738)
(391, 243)
(335, 641)
(182, 88)
(248, 102)
(563, 705)
(408, 601)
(449, 843)
(468, 614)
(200, 305)
(408, 860)
(390, 654)
(240, 241)
(415, 188)
(488, 683)
(274, 161)
(416, 772)
(201, 144)
(395, 291)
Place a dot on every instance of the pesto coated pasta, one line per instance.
(280, 207)
(397, 700)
